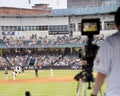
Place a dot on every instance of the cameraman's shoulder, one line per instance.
(113, 37)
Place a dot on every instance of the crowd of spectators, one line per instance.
(57, 60)
(44, 58)
(3, 62)
(56, 40)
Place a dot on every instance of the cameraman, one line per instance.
(107, 63)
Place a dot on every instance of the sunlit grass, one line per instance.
(40, 88)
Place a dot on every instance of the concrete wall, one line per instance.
(39, 21)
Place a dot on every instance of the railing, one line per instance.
(85, 11)
(44, 46)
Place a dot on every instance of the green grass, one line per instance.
(41, 89)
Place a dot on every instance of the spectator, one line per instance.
(27, 93)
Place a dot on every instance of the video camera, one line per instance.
(90, 27)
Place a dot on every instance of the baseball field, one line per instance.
(60, 83)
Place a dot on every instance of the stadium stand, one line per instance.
(51, 29)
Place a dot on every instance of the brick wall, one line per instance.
(22, 11)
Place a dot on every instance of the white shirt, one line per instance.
(107, 62)
(14, 75)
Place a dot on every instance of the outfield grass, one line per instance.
(39, 88)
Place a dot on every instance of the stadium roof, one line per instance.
(44, 10)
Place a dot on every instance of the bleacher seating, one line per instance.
(61, 41)
(2, 44)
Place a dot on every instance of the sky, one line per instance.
(55, 4)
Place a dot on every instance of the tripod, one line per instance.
(79, 88)
(82, 87)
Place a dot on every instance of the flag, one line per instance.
(29, 1)
(57, 2)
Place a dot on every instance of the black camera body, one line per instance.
(90, 27)
(91, 51)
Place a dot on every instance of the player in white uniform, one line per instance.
(14, 75)
(107, 63)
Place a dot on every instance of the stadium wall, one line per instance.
(40, 21)
(51, 20)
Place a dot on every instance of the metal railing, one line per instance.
(85, 11)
